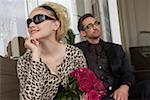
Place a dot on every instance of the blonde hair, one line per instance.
(62, 15)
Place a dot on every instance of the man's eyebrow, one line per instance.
(92, 23)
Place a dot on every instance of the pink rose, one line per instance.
(85, 84)
(83, 73)
(92, 95)
(98, 85)
(88, 83)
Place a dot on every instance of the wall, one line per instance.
(12, 22)
(135, 18)
(98, 8)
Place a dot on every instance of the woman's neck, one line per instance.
(47, 47)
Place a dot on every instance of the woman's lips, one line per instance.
(33, 32)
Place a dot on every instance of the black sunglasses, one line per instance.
(37, 19)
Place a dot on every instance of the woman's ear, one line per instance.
(57, 25)
(83, 33)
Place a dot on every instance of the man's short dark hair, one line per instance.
(81, 19)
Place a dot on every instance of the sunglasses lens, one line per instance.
(38, 19)
(29, 21)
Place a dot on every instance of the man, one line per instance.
(107, 60)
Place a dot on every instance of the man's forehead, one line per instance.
(88, 20)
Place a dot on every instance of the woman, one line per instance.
(48, 61)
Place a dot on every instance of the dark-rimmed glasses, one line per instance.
(37, 19)
(90, 26)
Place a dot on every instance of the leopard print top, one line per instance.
(36, 80)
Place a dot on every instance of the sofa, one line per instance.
(9, 84)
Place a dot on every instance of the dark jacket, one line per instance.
(117, 61)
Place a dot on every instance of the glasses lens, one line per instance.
(97, 23)
(90, 26)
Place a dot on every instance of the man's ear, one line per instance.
(83, 33)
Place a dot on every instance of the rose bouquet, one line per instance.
(82, 82)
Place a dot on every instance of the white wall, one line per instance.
(114, 21)
(72, 10)
(12, 22)
(27, 5)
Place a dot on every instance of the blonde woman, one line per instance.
(47, 62)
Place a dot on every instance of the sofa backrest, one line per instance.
(140, 57)
(9, 84)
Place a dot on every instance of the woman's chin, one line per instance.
(34, 36)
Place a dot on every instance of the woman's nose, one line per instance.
(32, 24)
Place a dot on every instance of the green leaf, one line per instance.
(69, 98)
(74, 92)
(70, 37)
(70, 92)
(74, 85)
(75, 97)
(63, 98)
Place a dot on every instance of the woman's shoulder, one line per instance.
(26, 55)
(72, 48)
